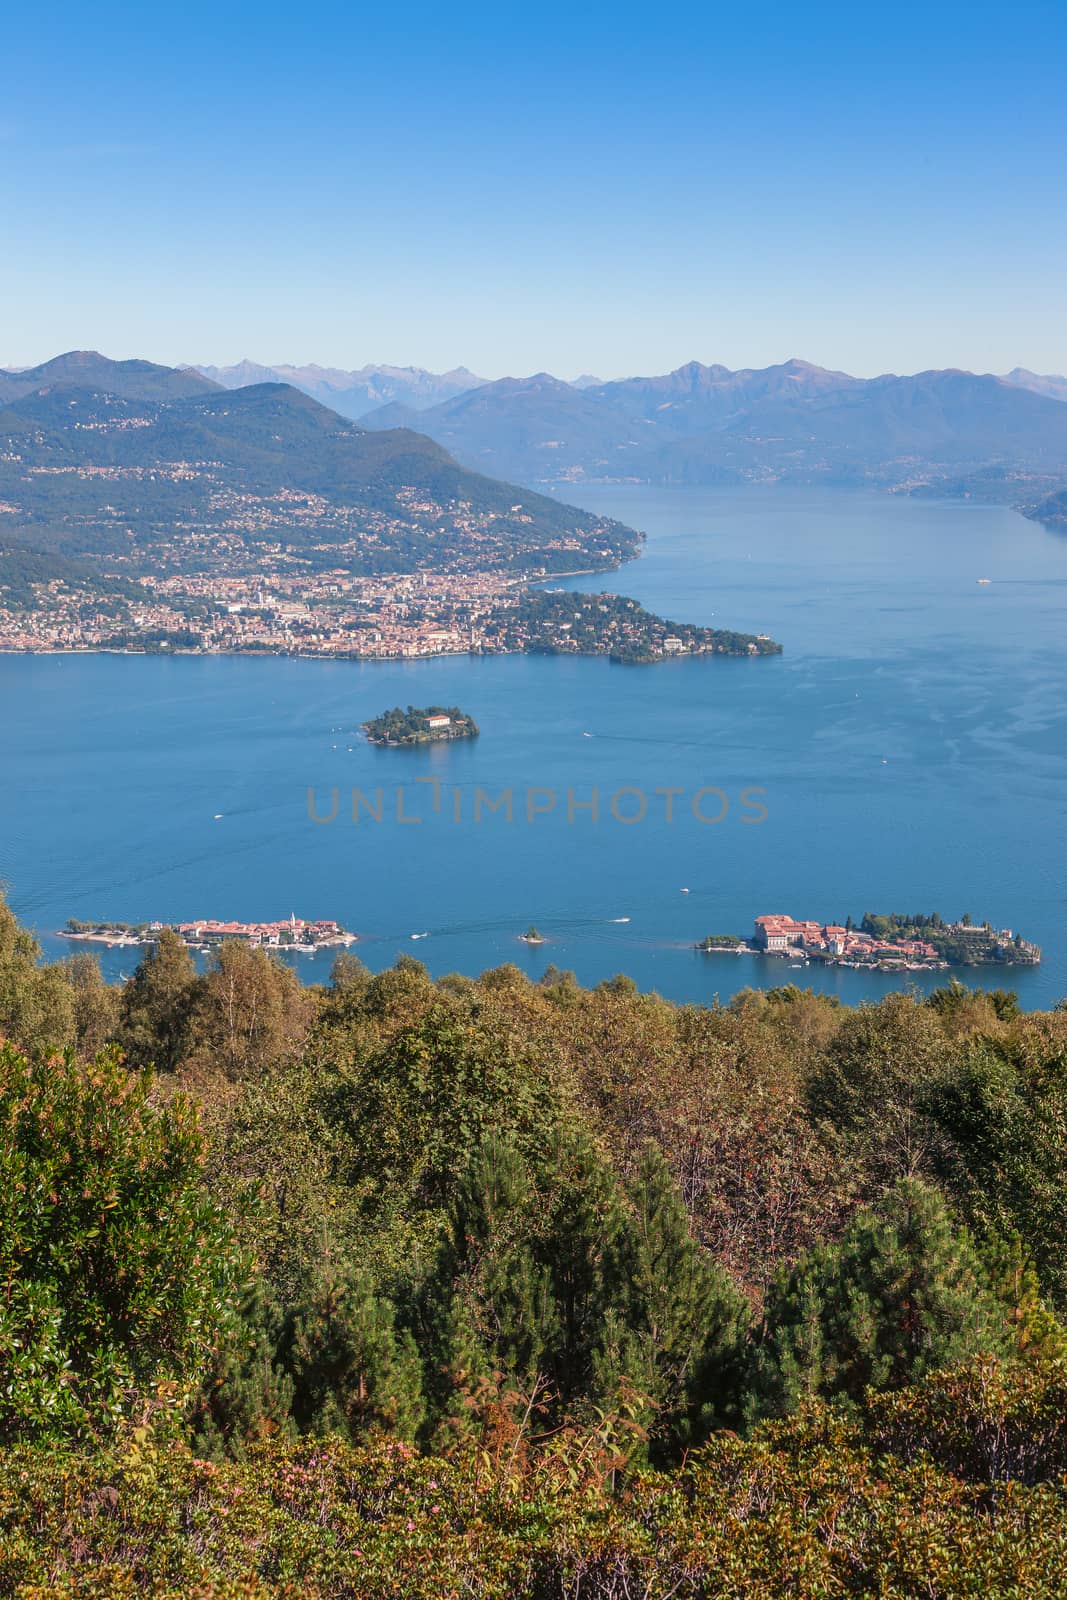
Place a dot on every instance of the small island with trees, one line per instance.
(420, 725)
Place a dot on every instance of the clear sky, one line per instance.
(576, 187)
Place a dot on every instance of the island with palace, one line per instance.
(912, 943)
(420, 725)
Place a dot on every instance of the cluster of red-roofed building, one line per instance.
(292, 931)
(781, 933)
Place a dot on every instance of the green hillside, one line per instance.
(92, 472)
(86, 369)
(25, 571)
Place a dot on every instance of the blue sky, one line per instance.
(590, 187)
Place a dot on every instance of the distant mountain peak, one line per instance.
(796, 364)
(1052, 385)
(355, 392)
(73, 358)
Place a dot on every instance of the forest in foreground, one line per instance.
(396, 1289)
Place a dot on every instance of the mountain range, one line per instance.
(143, 467)
(944, 431)
(789, 423)
(353, 394)
(100, 456)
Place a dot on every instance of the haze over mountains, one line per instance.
(789, 423)
(353, 394)
(945, 431)
(1047, 384)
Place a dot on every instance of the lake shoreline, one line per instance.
(908, 698)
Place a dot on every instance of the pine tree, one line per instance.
(584, 1212)
(902, 1295)
(507, 1288)
(680, 1322)
(489, 1304)
(353, 1371)
(521, 1293)
(247, 1395)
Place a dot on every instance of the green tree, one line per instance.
(158, 1004)
(118, 1270)
(504, 1297)
(252, 1013)
(36, 1002)
(873, 1088)
(96, 1004)
(413, 1111)
(681, 1323)
(246, 1395)
(519, 1290)
(353, 1371)
(1003, 1114)
(903, 1294)
(560, 1281)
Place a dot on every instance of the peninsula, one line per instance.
(916, 943)
(420, 725)
(294, 933)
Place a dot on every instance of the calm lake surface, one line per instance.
(910, 746)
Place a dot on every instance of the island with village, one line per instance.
(419, 725)
(293, 933)
(916, 943)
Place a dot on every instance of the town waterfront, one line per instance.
(909, 751)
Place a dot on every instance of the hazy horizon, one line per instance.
(495, 377)
(609, 190)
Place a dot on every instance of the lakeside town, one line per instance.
(920, 943)
(293, 933)
(333, 614)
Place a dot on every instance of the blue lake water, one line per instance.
(910, 746)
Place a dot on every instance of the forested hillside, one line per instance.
(147, 468)
(484, 1287)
